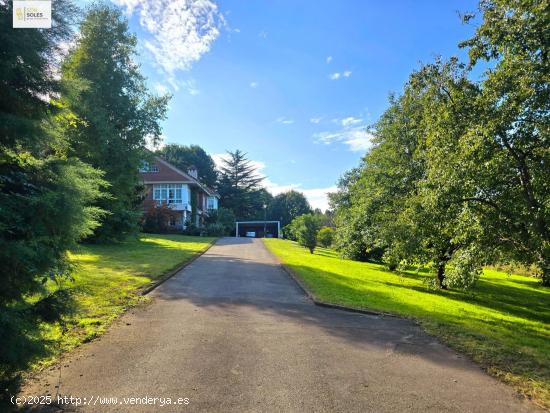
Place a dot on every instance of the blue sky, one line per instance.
(292, 83)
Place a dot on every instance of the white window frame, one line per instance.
(169, 193)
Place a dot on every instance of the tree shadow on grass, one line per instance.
(23, 342)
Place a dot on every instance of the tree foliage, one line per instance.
(183, 157)
(239, 186)
(305, 228)
(458, 174)
(287, 206)
(45, 197)
(325, 237)
(111, 113)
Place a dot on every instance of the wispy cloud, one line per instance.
(357, 139)
(284, 121)
(316, 120)
(353, 132)
(254, 85)
(180, 31)
(338, 75)
(160, 88)
(329, 59)
(350, 121)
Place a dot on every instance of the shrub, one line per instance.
(325, 236)
(305, 228)
(157, 219)
(223, 217)
(215, 230)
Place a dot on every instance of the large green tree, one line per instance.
(239, 186)
(45, 196)
(112, 113)
(184, 157)
(287, 206)
(505, 154)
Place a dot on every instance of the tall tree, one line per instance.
(184, 157)
(239, 185)
(287, 206)
(112, 113)
(45, 196)
(505, 154)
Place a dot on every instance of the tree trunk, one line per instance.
(441, 274)
(545, 268)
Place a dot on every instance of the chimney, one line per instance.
(193, 171)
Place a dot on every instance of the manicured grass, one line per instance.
(502, 324)
(107, 281)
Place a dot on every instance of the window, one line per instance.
(169, 193)
(147, 167)
(211, 203)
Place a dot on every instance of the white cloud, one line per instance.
(358, 138)
(218, 159)
(254, 85)
(318, 197)
(181, 31)
(262, 34)
(160, 88)
(338, 75)
(329, 59)
(350, 121)
(284, 121)
(315, 120)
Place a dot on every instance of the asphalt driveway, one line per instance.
(232, 332)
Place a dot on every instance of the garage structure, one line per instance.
(255, 229)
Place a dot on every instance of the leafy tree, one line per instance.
(112, 113)
(325, 236)
(306, 227)
(391, 202)
(504, 156)
(183, 157)
(287, 206)
(348, 218)
(239, 186)
(45, 197)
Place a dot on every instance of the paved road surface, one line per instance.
(232, 333)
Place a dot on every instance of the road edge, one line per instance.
(292, 274)
(165, 277)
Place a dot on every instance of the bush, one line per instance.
(215, 230)
(192, 230)
(223, 217)
(305, 228)
(463, 270)
(157, 219)
(325, 236)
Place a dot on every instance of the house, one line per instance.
(180, 190)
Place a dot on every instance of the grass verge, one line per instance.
(108, 279)
(502, 324)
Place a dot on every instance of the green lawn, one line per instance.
(502, 324)
(108, 280)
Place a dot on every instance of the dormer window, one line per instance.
(146, 167)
